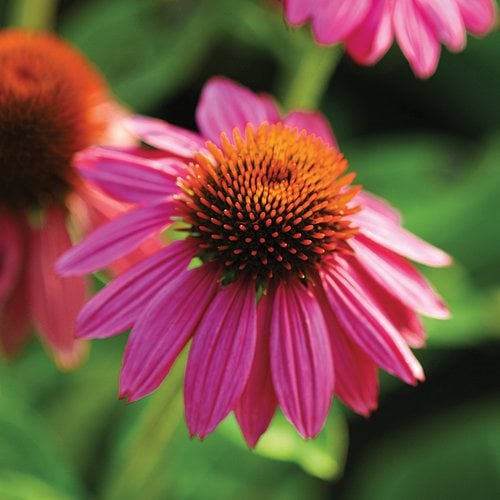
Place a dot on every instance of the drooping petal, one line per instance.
(257, 404)
(55, 301)
(373, 36)
(301, 360)
(119, 304)
(366, 325)
(375, 204)
(11, 254)
(163, 135)
(478, 15)
(356, 379)
(338, 19)
(221, 357)
(163, 330)
(224, 105)
(313, 123)
(416, 37)
(116, 238)
(404, 319)
(444, 16)
(128, 177)
(394, 237)
(399, 277)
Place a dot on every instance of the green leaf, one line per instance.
(455, 455)
(146, 49)
(19, 486)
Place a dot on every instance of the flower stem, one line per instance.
(305, 81)
(32, 14)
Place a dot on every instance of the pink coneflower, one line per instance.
(299, 290)
(368, 27)
(53, 104)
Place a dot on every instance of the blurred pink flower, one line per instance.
(53, 103)
(301, 289)
(368, 27)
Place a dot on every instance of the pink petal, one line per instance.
(375, 204)
(478, 15)
(55, 301)
(257, 404)
(298, 11)
(399, 277)
(163, 135)
(313, 123)
(161, 332)
(444, 16)
(373, 37)
(366, 324)
(333, 21)
(128, 177)
(356, 379)
(225, 105)
(116, 307)
(116, 238)
(11, 254)
(221, 357)
(416, 37)
(391, 235)
(404, 319)
(301, 360)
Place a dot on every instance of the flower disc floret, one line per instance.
(269, 203)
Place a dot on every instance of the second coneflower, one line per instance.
(53, 103)
(300, 289)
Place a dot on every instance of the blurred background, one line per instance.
(430, 147)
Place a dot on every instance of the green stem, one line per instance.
(32, 14)
(305, 82)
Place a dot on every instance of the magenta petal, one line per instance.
(11, 254)
(298, 11)
(399, 277)
(392, 236)
(163, 135)
(224, 105)
(313, 123)
(257, 404)
(444, 16)
(373, 37)
(301, 360)
(119, 304)
(356, 378)
(375, 204)
(116, 238)
(338, 19)
(366, 324)
(127, 177)
(221, 357)
(163, 329)
(416, 37)
(55, 301)
(478, 15)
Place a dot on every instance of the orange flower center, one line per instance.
(48, 97)
(270, 203)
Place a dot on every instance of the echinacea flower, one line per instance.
(300, 289)
(368, 27)
(53, 103)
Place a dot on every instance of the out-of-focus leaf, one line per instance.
(323, 457)
(27, 446)
(18, 486)
(146, 49)
(455, 455)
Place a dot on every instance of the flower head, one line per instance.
(53, 103)
(299, 292)
(368, 27)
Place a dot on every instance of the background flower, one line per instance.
(368, 27)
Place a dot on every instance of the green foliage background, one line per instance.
(430, 147)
